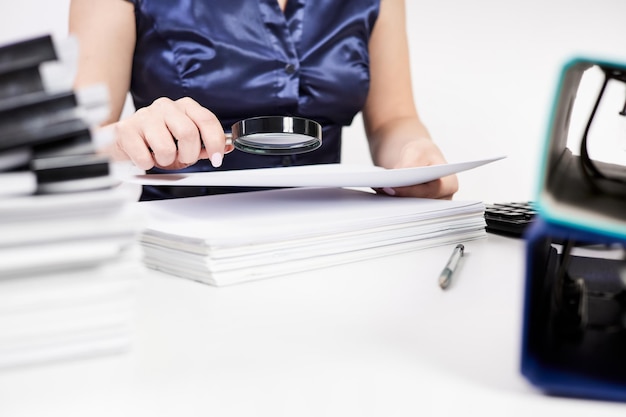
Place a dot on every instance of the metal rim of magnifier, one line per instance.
(276, 135)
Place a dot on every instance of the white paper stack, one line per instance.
(232, 238)
(57, 232)
(68, 230)
(69, 271)
(67, 314)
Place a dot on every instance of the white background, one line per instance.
(484, 72)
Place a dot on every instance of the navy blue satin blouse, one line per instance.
(246, 58)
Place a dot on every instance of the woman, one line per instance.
(195, 68)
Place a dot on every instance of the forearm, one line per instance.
(105, 30)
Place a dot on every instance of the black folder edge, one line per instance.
(27, 53)
(36, 99)
(17, 83)
(41, 137)
(68, 168)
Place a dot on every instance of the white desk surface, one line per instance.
(377, 338)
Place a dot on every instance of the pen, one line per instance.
(446, 275)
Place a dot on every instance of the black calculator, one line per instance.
(511, 219)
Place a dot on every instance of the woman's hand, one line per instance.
(423, 152)
(171, 135)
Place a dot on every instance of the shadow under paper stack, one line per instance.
(68, 274)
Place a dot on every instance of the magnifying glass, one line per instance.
(275, 135)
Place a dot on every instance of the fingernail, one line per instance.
(389, 191)
(216, 159)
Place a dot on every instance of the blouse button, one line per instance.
(290, 69)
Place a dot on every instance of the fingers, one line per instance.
(442, 188)
(208, 128)
(170, 134)
(129, 139)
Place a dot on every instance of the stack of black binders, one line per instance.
(68, 273)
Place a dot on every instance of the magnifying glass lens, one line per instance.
(277, 135)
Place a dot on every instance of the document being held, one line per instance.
(324, 175)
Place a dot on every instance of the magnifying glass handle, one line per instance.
(228, 143)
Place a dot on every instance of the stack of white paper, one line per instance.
(69, 269)
(68, 232)
(44, 233)
(231, 238)
(68, 314)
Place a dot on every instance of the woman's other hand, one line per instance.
(423, 152)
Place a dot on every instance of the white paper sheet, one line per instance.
(324, 175)
(239, 219)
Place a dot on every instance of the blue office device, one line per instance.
(574, 336)
(574, 323)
